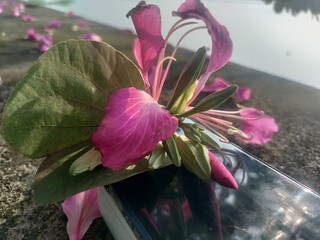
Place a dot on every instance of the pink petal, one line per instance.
(91, 36)
(33, 35)
(220, 173)
(45, 43)
(21, 7)
(56, 23)
(243, 94)
(132, 126)
(70, 14)
(16, 11)
(28, 18)
(81, 209)
(221, 42)
(82, 23)
(217, 84)
(147, 22)
(261, 129)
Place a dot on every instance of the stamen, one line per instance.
(158, 74)
(211, 127)
(237, 132)
(176, 26)
(230, 114)
(161, 82)
(217, 120)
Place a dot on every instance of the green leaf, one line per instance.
(187, 78)
(61, 100)
(172, 150)
(159, 158)
(211, 101)
(195, 157)
(54, 182)
(86, 162)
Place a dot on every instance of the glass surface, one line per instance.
(172, 203)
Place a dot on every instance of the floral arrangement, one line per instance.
(96, 117)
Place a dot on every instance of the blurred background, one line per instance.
(280, 37)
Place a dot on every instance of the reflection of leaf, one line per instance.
(61, 100)
(54, 183)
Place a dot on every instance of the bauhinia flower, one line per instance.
(135, 122)
(218, 84)
(81, 209)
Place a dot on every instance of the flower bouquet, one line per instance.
(96, 117)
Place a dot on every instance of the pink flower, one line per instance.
(218, 84)
(91, 36)
(56, 23)
(82, 23)
(260, 126)
(220, 173)
(44, 43)
(132, 126)
(16, 11)
(33, 35)
(81, 209)
(70, 14)
(21, 7)
(28, 18)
